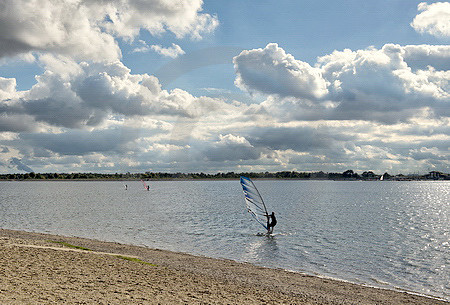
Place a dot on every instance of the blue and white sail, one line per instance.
(253, 200)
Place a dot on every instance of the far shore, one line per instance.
(38, 268)
(219, 179)
(348, 175)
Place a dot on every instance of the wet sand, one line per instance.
(48, 269)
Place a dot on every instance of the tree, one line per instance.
(348, 174)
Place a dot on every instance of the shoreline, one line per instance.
(43, 268)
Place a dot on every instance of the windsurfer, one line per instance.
(271, 222)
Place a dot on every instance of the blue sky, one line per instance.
(211, 86)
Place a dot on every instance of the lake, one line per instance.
(381, 233)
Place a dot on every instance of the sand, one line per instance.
(46, 269)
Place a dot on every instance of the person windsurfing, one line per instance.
(271, 222)
(256, 206)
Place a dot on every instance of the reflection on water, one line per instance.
(264, 248)
(394, 234)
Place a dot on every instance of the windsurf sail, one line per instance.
(253, 200)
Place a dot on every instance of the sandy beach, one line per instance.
(49, 269)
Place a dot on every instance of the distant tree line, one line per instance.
(347, 175)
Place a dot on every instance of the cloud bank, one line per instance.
(86, 94)
(390, 84)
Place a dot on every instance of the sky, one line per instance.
(217, 86)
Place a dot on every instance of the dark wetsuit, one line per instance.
(271, 222)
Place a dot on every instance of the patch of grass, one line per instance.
(128, 258)
(69, 245)
(134, 259)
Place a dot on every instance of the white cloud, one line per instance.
(231, 148)
(7, 88)
(183, 18)
(381, 74)
(434, 19)
(66, 27)
(174, 51)
(388, 84)
(143, 48)
(21, 58)
(87, 30)
(272, 71)
(80, 95)
(230, 139)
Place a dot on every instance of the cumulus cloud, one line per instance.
(7, 88)
(272, 71)
(231, 148)
(75, 95)
(434, 19)
(87, 30)
(380, 74)
(174, 51)
(332, 146)
(183, 18)
(67, 27)
(388, 84)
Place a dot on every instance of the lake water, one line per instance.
(380, 233)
